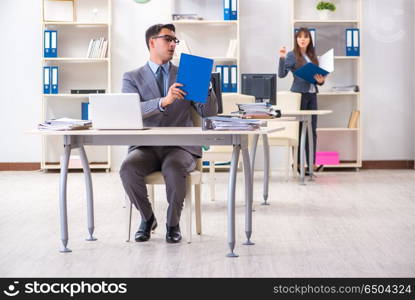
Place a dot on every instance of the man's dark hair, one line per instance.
(155, 30)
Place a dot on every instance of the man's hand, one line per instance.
(319, 78)
(174, 93)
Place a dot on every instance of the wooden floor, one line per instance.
(345, 224)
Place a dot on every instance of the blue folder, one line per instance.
(46, 80)
(226, 9)
(308, 71)
(46, 43)
(226, 71)
(356, 42)
(234, 9)
(234, 78)
(53, 43)
(84, 110)
(54, 80)
(194, 73)
(349, 42)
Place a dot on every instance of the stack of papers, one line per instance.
(231, 123)
(347, 88)
(259, 110)
(65, 124)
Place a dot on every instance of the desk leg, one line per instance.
(266, 168)
(62, 196)
(89, 193)
(248, 196)
(310, 148)
(302, 151)
(231, 199)
(253, 153)
(252, 157)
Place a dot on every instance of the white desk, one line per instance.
(158, 136)
(303, 116)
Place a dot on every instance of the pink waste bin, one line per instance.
(327, 158)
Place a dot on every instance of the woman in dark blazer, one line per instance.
(303, 53)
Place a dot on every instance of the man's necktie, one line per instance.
(160, 80)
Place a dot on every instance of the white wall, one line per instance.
(388, 106)
(20, 79)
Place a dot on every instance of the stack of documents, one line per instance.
(231, 123)
(261, 110)
(65, 124)
(346, 88)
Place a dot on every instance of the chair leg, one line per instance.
(295, 164)
(150, 190)
(129, 221)
(288, 164)
(212, 180)
(188, 205)
(198, 210)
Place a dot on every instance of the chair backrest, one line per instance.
(286, 101)
(229, 101)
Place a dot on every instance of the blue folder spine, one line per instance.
(349, 42)
(84, 110)
(356, 42)
(54, 80)
(46, 80)
(46, 43)
(234, 78)
(313, 36)
(226, 79)
(53, 43)
(234, 9)
(226, 10)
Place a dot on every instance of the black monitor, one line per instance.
(216, 85)
(262, 86)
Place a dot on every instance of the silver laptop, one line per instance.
(115, 111)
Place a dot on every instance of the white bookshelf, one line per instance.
(206, 22)
(76, 59)
(325, 21)
(92, 19)
(90, 24)
(210, 36)
(333, 132)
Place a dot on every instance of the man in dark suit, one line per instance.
(162, 104)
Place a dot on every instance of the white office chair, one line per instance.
(287, 101)
(223, 153)
(194, 178)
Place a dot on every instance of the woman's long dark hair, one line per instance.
(310, 51)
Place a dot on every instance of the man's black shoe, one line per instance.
(173, 234)
(144, 231)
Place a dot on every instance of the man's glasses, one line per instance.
(167, 38)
